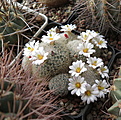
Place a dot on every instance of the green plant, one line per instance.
(115, 93)
(11, 24)
(60, 51)
(57, 62)
(103, 14)
(59, 84)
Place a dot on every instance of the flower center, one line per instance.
(1, 19)
(31, 49)
(69, 29)
(94, 63)
(78, 70)
(78, 85)
(100, 88)
(50, 38)
(85, 50)
(85, 37)
(40, 57)
(100, 42)
(103, 69)
(88, 92)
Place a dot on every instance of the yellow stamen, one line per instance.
(85, 37)
(100, 42)
(78, 85)
(100, 88)
(31, 49)
(103, 69)
(78, 69)
(69, 29)
(88, 92)
(1, 19)
(85, 50)
(40, 57)
(94, 63)
(50, 38)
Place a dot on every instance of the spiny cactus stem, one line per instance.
(34, 12)
(36, 34)
(15, 59)
(34, 92)
(2, 46)
(17, 32)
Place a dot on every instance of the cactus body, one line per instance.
(59, 84)
(57, 62)
(10, 22)
(115, 109)
(115, 95)
(74, 52)
(90, 75)
(6, 99)
(106, 14)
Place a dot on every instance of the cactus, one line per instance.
(74, 52)
(56, 53)
(59, 84)
(115, 93)
(90, 75)
(57, 61)
(11, 21)
(8, 101)
(105, 14)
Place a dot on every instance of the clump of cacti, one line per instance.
(76, 56)
(105, 14)
(115, 94)
(9, 102)
(11, 23)
(59, 84)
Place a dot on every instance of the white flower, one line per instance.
(77, 68)
(30, 47)
(93, 33)
(103, 70)
(102, 85)
(85, 36)
(94, 62)
(39, 56)
(77, 85)
(90, 95)
(68, 28)
(86, 49)
(53, 29)
(51, 36)
(100, 42)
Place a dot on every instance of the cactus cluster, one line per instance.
(10, 105)
(11, 22)
(57, 62)
(70, 60)
(105, 14)
(115, 94)
(59, 84)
